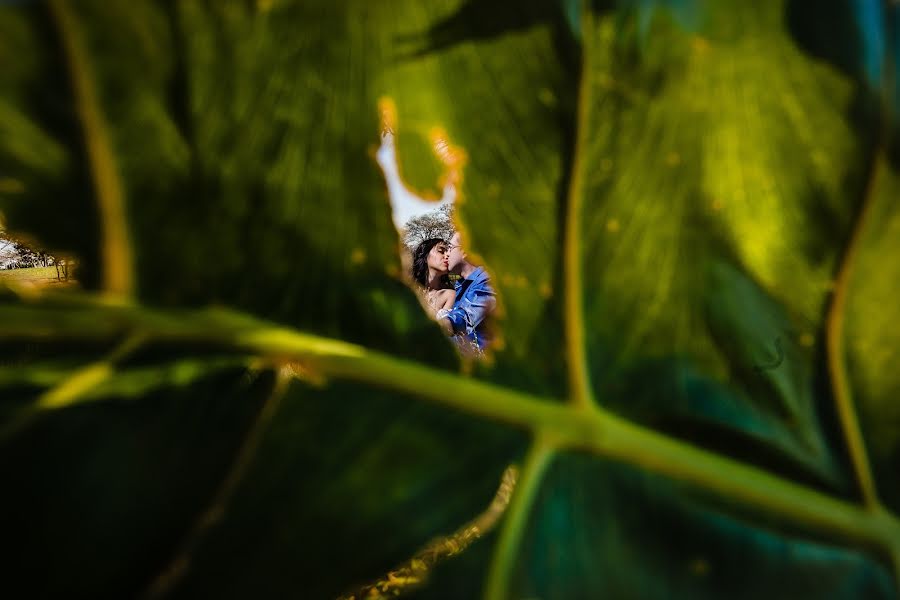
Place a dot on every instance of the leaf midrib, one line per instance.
(580, 390)
(559, 426)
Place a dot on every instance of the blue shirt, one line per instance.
(474, 302)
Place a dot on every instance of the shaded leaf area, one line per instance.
(603, 530)
(837, 35)
(94, 495)
(239, 127)
(873, 341)
(32, 368)
(29, 367)
(721, 172)
(353, 481)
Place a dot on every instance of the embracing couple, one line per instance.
(461, 307)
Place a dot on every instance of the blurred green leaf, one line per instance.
(247, 401)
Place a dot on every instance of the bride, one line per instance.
(430, 267)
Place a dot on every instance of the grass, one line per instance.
(34, 276)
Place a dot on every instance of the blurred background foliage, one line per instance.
(731, 168)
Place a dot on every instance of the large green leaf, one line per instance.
(688, 212)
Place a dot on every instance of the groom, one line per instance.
(475, 300)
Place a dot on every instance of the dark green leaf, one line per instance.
(688, 213)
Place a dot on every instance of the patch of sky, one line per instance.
(405, 204)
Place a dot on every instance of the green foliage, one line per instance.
(246, 401)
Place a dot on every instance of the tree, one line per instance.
(28, 258)
(15, 254)
(62, 269)
(8, 252)
(435, 224)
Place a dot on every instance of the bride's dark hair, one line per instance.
(420, 261)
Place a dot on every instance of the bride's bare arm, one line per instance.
(444, 300)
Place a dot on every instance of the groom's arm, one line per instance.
(472, 309)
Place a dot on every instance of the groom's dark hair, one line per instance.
(420, 260)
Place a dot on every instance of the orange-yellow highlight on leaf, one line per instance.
(414, 572)
(388, 111)
(452, 156)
